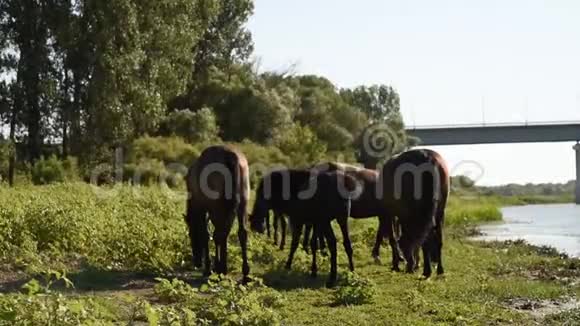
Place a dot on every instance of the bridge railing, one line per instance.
(496, 124)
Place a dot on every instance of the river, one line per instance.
(556, 226)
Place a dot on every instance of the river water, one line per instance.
(556, 226)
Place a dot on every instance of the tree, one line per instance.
(224, 45)
(379, 102)
(200, 126)
(302, 145)
(24, 27)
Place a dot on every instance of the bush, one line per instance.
(194, 127)
(167, 150)
(355, 290)
(233, 304)
(302, 145)
(121, 228)
(173, 291)
(52, 170)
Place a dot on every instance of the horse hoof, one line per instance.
(395, 269)
(245, 280)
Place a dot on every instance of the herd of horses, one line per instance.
(408, 194)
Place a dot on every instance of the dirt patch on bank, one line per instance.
(542, 308)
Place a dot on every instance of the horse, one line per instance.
(276, 191)
(308, 198)
(367, 204)
(415, 188)
(218, 185)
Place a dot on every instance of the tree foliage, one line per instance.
(88, 76)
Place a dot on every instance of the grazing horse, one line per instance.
(218, 186)
(415, 186)
(308, 198)
(368, 204)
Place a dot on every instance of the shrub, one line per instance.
(52, 170)
(120, 228)
(302, 145)
(233, 304)
(166, 150)
(200, 126)
(173, 291)
(355, 290)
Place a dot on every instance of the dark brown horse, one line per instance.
(368, 204)
(218, 186)
(415, 187)
(365, 206)
(308, 198)
(276, 192)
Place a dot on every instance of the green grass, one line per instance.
(116, 245)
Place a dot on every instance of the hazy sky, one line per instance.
(451, 61)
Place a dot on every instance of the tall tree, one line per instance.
(379, 102)
(225, 43)
(24, 25)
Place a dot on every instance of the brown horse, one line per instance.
(415, 187)
(218, 186)
(308, 198)
(368, 204)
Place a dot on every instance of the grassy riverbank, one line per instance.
(116, 247)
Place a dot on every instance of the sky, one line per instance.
(452, 62)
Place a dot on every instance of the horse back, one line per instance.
(414, 180)
(220, 176)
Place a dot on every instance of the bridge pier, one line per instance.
(577, 149)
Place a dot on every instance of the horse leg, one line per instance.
(426, 259)
(296, 232)
(343, 222)
(194, 219)
(205, 242)
(243, 238)
(322, 244)
(224, 254)
(216, 258)
(379, 239)
(331, 239)
(307, 231)
(439, 239)
(416, 256)
(268, 226)
(391, 233)
(407, 245)
(276, 221)
(283, 232)
(314, 249)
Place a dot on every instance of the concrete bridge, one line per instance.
(501, 134)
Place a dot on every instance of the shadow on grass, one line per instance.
(97, 280)
(284, 280)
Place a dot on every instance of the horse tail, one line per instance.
(236, 191)
(428, 203)
(195, 225)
